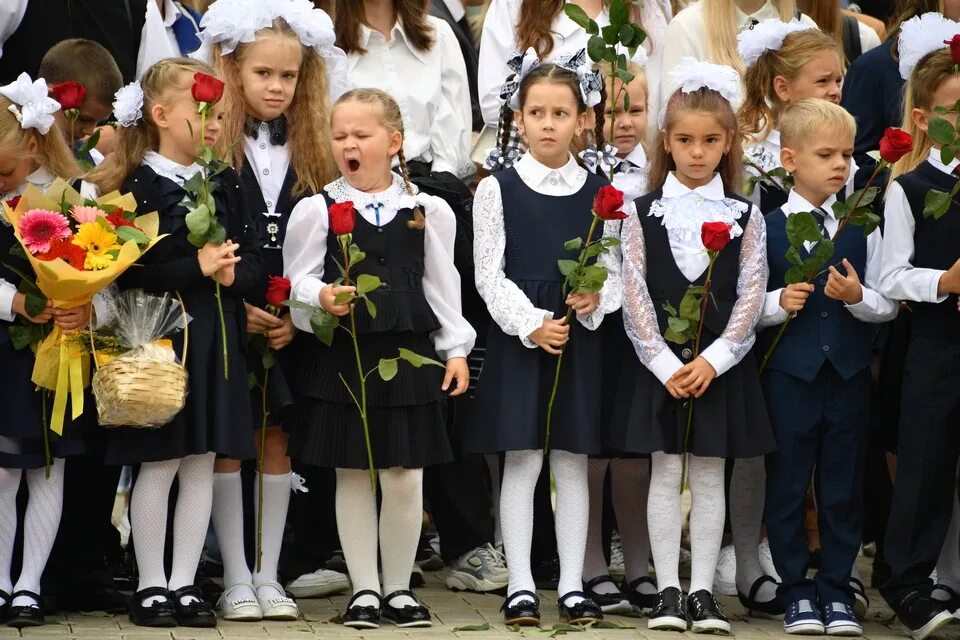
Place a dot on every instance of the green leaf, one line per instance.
(367, 283)
(610, 242)
(323, 325)
(596, 47)
(595, 249)
(670, 309)
(793, 256)
(941, 131)
(573, 245)
(473, 627)
(869, 195)
(592, 29)
(821, 254)
(198, 220)
(610, 34)
(639, 37)
(619, 13)
(577, 14)
(344, 297)
(195, 184)
(18, 251)
(936, 204)
(867, 219)
(566, 266)
(387, 368)
(793, 275)
(267, 359)
(21, 336)
(947, 153)
(678, 325)
(690, 306)
(371, 308)
(941, 110)
(610, 55)
(626, 34)
(34, 303)
(677, 338)
(750, 184)
(197, 239)
(217, 234)
(841, 209)
(802, 227)
(356, 255)
(125, 234)
(90, 142)
(416, 360)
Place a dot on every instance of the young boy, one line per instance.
(818, 379)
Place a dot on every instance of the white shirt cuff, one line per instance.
(531, 324)
(932, 288)
(719, 357)
(455, 352)
(7, 292)
(665, 365)
(773, 313)
(308, 292)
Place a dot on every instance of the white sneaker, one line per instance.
(616, 567)
(766, 561)
(275, 604)
(239, 603)
(725, 579)
(481, 570)
(319, 584)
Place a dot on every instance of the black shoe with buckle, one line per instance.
(615, 603)
(525, 610)
(770, 609)
(23, 616)
(705, 614)
(921, 614)
(407, 616)
(643, 603)
(670, 612)
(159, 614)
(197, 613)
(583, 612)
(366, 617)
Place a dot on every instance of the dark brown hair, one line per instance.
(86, 62)
(536, 18)
(350, 14)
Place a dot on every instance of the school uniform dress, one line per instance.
(216, 416)
(916, 252)
(817, 385)
(524, 216)
(417, 309)
(663, 230)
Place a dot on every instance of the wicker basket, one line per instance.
(132, 391)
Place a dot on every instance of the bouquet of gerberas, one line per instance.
(76, 248)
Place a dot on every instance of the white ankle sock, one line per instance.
(227, 517)
(191, 519)
(630, 487)
(706, 519)
(148, 521)
(401, 518)
(357, 524)
(594, 564)
(40, 525)
(9, 487)
(521, 469)
(570, 520)
(746, 514)
(663, 517)
(276, 500)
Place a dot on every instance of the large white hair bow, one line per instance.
(766, 36)
(692, 75)
(922, 35)
(32, 104)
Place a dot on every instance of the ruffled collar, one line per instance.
(682, 211)
(713, 190)
(167, 168)
(395, 196)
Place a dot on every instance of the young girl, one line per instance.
(277, 102)
(528, 212)
(155, 156)
(408, 240)
(694, 173)
(33, 152)
(921, 265)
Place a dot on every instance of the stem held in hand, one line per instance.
(223, 328)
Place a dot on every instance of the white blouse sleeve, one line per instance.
(497, 43)
(611, 295)
(7, 291)
(509, 307)
(639, 314)
(11, 14)
(899, 279)
(441, 281)
(451, 129)
(740, 333)
(304, 252)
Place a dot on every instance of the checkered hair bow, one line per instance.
(603, 159)
(591, 82)
(520, 64)
(497, 160)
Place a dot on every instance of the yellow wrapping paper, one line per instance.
(59, 367)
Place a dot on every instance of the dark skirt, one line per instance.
(280, 395)
(729, 421)
(617, 351)
(406, 415)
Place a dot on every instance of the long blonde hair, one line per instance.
(52, 149)
(171, 74)
(308, 120)
(720, 25)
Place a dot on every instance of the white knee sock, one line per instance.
(570, 519)
(9, 486)
(401, 517)
(40, 525)
(663, 517)
(148, 522)
(948, 564)
(521, 469)
(191, 519)
(227, 516)
(276, 500)
(357, 524)
(747, 492)
(706, 519)
(594, 564)
(630, 487)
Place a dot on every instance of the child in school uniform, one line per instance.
(817, 380)
(155, 156)
(408, 240)
(695, 172)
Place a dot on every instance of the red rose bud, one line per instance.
(954, 43)
(342, 218)
(206, 88)
(278, 291)
(715, 235)
(608, 202)
(69, 94)
(897, 143)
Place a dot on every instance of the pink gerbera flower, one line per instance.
(84, 214)
(39, 227)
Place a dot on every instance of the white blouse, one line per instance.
(683, 211)
(431, 88)
(509, 307)
(305, 250)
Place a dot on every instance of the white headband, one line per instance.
(128, 104)
(32, 105)
(692, 75)
(922, 35)
(766, 36)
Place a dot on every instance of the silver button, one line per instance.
(263, 146)
(263, 127)
(824, 314)
(553, 180)
(269, 203)
(825, 348)
(686, 354)
(266, 172)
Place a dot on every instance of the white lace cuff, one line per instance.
(720, 356)
(664, 365)
(530, 323)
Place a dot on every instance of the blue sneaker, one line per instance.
(840, 620)
(802, 619)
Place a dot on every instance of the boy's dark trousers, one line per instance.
(821, 433)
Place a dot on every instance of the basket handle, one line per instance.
(186, 335)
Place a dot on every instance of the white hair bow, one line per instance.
(128, 104)
(32, 104)
(692, 75)
(766, 36)
(922, 35)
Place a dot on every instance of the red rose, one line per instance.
(278, 291)
(13, 202)
(608, 203)
(206, 88)
(118, 220)
(954, 43)
(69, 94)
(715, 235)
(342, 218)
(897, 143)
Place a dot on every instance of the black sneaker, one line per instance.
(705, 614)
(669, 614)
(920, 614)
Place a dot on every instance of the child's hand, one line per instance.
(676, 390)
(214, 258)
(456, 368)
(259, 321)
(551, 335)
(950, 280)
(19, 302)
(283, 335)
(846, 288)
(328, 296)
(584, 303)
(695, 377)
(794, 296)
(72, 319)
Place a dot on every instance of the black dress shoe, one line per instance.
(363, 617)
(769, 609)
(616, 602)
(670, 613)
(92, 597)
(584, 612)
(705, 613)
(525, 612)
(198, 613)
(25, 616)
(921, 614)
(5, 607)
(159, 614)
(643, 603)
(411, 615)
(952, 603)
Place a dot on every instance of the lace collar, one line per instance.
(534, 173)
(395, 197)
(169, 169)
(682, 211)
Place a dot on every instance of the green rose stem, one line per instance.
(765, 176)
(883, 164)
(46, 436)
